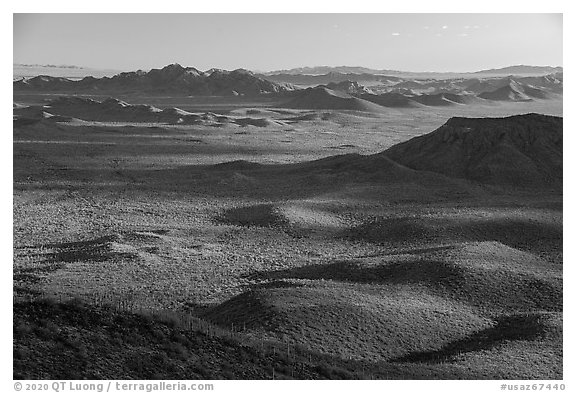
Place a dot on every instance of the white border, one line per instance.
(298, 6)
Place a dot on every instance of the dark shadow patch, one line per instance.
(487, 289)
(160, 231)
(515, 327)
(237, 165)
(422, 271)
(96, 250)
(523, 234)
(263, 215)
(419, 251)
(248, 310)
(526, 235)
(345, 146)
(35, 262)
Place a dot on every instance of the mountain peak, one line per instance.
(173, 66)
(242, 71)
(172, 69)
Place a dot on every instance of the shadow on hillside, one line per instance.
(515, 327)
(522, 233)
(95, 250)
(37, 261)
(261, 215)
(421, 271)
(470, 283)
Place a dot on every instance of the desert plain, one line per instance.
(306, 234)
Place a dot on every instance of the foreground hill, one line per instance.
(172, 79)
(516, 150)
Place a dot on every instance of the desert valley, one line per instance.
(315, 223)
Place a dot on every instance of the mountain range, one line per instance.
(172, 79)
(411, 81)
(332, 91)
(348, 95)
(320, 70)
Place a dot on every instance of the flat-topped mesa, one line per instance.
(517, 150)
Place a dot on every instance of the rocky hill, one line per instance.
(523, 150)
(321, 97)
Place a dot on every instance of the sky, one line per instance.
(266, 42)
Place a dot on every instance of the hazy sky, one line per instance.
(410, 42)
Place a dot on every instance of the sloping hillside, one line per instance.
(516, 150)
(514, 91)
(391, 100)
(323, 98)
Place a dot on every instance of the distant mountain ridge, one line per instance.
(172, 79)
(330, 77)
(49, 66)
(351, 95)
(177, 80)
(348, 87)
(522, 69)
(474, 83)
(319, 70)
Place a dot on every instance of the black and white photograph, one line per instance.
(287, 196)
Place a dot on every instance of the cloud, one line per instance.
(463, 35)
(426, 27)
(444, 27)
(395, 34)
